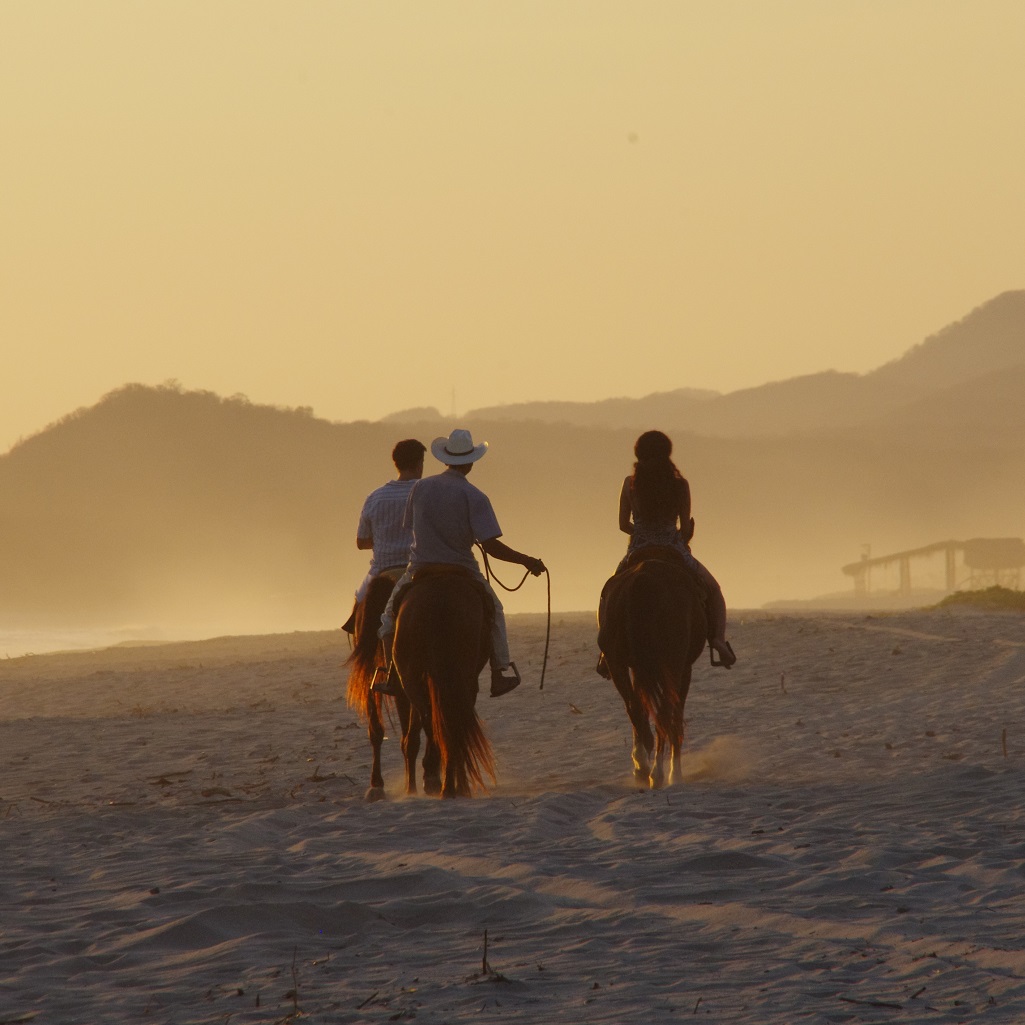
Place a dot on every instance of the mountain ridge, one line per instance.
(160, 505)
(988, 339)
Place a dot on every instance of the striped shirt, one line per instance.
(381, 522)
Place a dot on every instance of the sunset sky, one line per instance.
(367, 206)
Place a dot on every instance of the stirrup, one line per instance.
(349, 626)
(386, 681)
(602, 668)
(726, 661)
(501, 684)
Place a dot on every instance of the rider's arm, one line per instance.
(625, 509)
(365, 528)
(683, 511)
(500, 550)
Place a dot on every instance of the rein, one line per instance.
(489, 573)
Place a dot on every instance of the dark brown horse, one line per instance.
(367, 655)
(652, 631)
(442, 642)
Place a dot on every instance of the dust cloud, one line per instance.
(725, 759)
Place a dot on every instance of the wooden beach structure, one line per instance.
(983, 562)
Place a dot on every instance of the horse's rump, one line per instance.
(672, 555)
(453, 614)
(653, 595)
(442, 642)
(434, 572)
(654, 625)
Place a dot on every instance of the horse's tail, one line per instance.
(660, 697)
(366, 646)
(656, 660)
(459, 734)
(458, 639)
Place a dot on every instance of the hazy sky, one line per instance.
(367, 206)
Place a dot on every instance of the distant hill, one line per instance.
(158, 504)
(188, 510)
(979, 412)
(659, 407)
(989, 340)
(419, 414)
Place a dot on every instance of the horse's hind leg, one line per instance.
(451, 787)
(675, 769)
(411, 748)
(657, 776)
(375, 731)
(432, 763)
(679, 725)
(641, 752)
(643, 739)
(457, 783)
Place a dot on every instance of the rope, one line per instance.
(489, 574)
(548, 628)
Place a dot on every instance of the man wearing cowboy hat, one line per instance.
(448, 515)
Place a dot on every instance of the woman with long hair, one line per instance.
(654, 509)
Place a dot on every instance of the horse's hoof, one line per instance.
(374, 794)
(432, 789)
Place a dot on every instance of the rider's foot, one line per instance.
(504, 680)
(386, 681)
(724, 650)
(602, 668)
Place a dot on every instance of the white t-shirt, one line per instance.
(447, 514)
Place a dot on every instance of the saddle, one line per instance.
(435, 570)
(442, 569)
(657, 553)
(670, 556)
(392, 573)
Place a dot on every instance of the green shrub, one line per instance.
(991, 598)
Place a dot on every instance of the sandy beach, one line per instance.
(185, 838)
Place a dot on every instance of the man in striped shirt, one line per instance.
(380, 528)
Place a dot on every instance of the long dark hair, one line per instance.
(655, 476)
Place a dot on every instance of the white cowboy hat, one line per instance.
(458, 448)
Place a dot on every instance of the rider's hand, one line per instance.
(536, 567)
